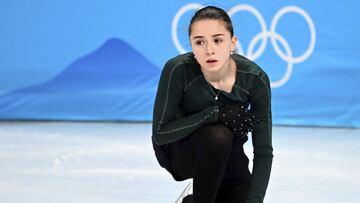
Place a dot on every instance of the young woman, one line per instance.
(206, 103)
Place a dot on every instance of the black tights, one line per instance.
(216, 162)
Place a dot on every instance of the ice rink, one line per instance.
(44, 162)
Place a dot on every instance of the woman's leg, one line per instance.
(202, 156)
(233, 193)
(235, 184)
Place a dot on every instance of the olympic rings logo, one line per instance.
(263, 36)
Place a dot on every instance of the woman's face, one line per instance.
(211, 44)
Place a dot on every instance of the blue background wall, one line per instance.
(101, 60)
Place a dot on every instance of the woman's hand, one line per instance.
(238, 118)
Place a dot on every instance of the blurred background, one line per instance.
(78, 81)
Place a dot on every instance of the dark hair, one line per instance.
(212, 13)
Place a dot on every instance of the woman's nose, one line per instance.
(210, 49)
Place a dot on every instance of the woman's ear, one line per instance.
(233, 43)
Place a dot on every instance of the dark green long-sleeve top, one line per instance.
(184, 103)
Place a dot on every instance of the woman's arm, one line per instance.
(167, 127)
(260, 99)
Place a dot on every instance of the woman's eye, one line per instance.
(218, 40)
(199, 42)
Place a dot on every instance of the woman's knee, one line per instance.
(218, 138)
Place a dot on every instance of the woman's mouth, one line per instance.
(211, 61)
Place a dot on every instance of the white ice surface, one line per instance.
(42, 162)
